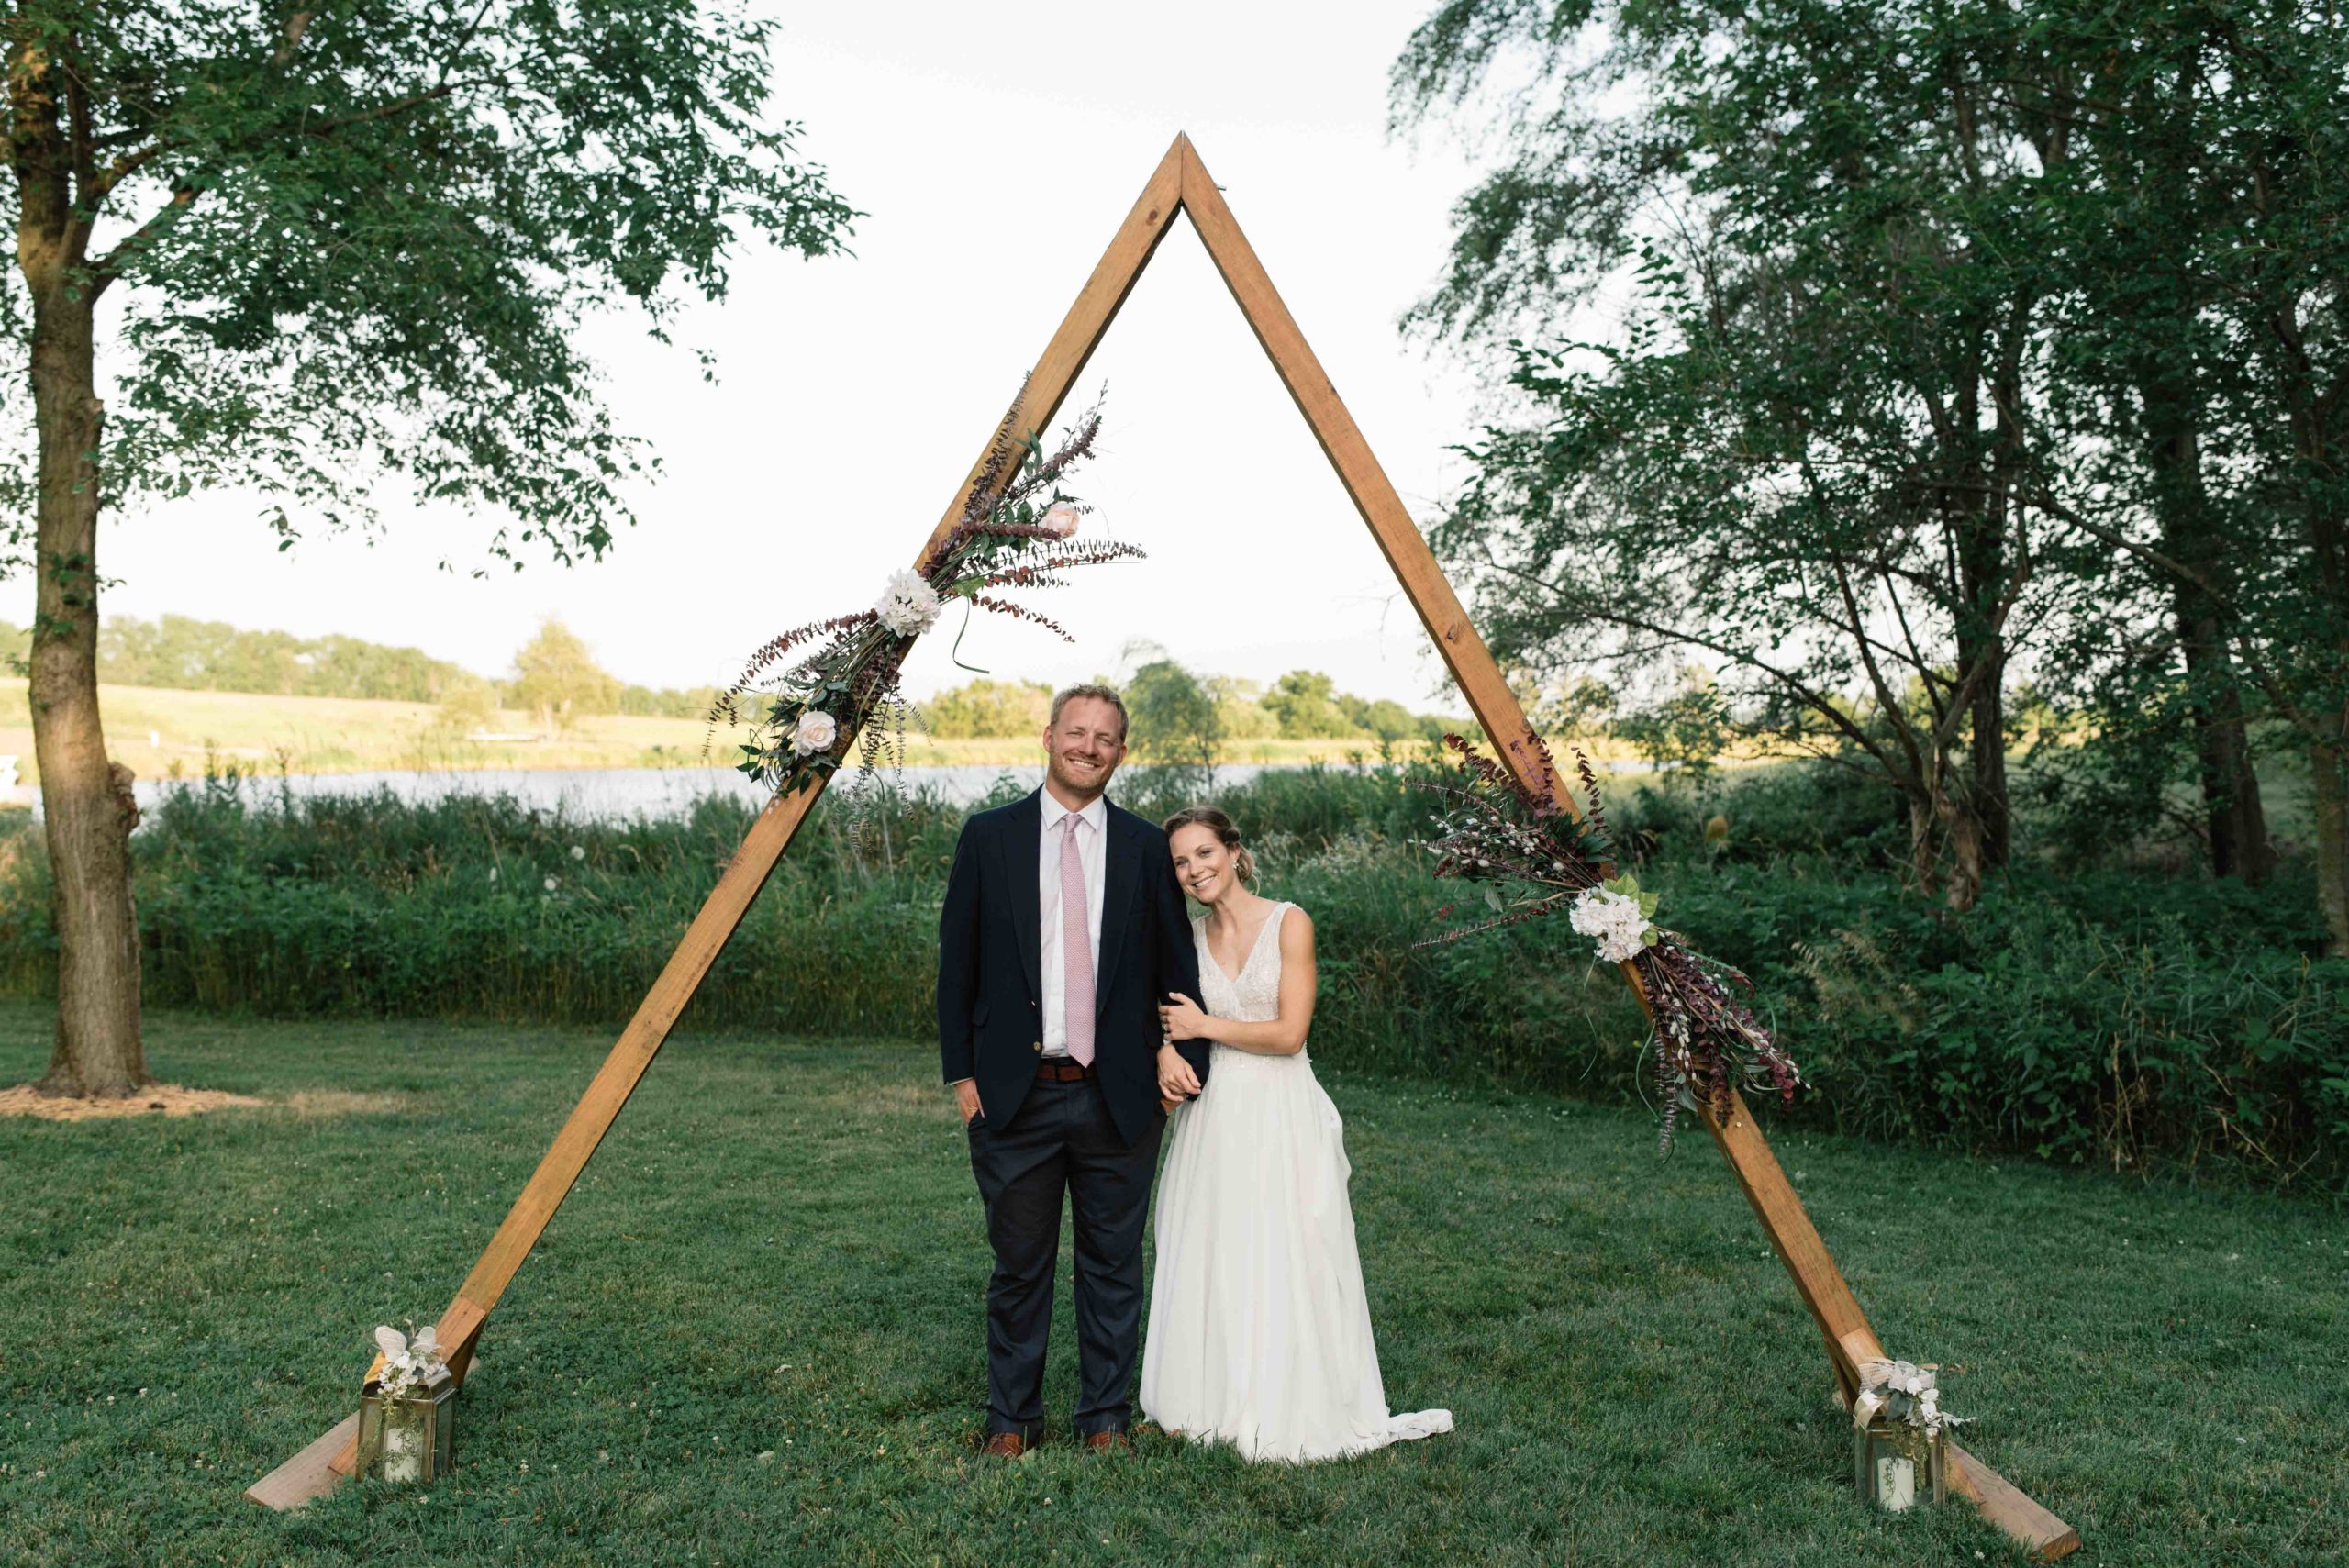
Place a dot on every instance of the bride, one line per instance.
(1259, 1328)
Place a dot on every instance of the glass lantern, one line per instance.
(409, 1439)
(1897, 1465)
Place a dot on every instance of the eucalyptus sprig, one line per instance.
(815, 687)
(1535, 858)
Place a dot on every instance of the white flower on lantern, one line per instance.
(408, 1362)
(815, 732)
(909, 605)
(1616, 919)
(1060, 520)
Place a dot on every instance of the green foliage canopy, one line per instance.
(353, 239)
(1307, 704)
(557, 676)
(1176, 717)
(985, 709)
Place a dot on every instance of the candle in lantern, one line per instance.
(1895, 1481)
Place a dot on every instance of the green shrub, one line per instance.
(2111, 1017)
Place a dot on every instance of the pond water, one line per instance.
(613, 794)
(621, 794)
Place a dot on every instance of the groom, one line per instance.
(1064, 928)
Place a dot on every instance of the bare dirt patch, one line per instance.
(170, 1099)
(163, 1099)
(316, 1105)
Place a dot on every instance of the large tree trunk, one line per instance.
(1946, 847)
(2237, 821)
(2327, 762)
(1988, 787)
(2231, 803)
(85, 798)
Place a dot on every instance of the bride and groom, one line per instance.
(1078, 1010)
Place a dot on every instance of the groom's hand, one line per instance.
(966, 1099)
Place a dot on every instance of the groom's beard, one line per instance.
(1058, 771)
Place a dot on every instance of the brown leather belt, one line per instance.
(1062, 1070)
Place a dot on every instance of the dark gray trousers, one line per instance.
(1063, 1141)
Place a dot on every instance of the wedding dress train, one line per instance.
(1260, 1330)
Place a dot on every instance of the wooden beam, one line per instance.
(1470, 662)
(1817, 1279)
(1181, 183)
(2004, 1505)
(1041, 396)
(311, 1472)
(1367, 484)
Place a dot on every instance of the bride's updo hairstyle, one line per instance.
(1243, 864)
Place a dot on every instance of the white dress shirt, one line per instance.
(1092, 850)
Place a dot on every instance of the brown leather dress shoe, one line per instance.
(1005, 1445)
(1109, 1442)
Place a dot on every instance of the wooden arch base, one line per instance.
(1180, 184)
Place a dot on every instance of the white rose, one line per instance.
(1061, 520)
(909, 605)
(1612, 917)
(815, 732)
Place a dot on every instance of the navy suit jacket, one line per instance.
(990, 945)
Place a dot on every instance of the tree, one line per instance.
(668, 701)
(985, 709)
(332, 244)
(182, 653)
(1305, 702)
(467, 706)
(2054, 291)
(1240, 709)
(1687, 729)
(2211, 290)
(1175, 718)
(1386, 719)
(1807, 458)
(556, 677)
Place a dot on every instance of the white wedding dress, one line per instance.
(1259, 1328)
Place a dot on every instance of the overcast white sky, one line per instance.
(995, 152)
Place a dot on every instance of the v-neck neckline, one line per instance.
(1246, 958)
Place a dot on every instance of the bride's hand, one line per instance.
(1176, 1079)
(1182, 1019)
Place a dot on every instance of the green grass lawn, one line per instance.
(754, 1335)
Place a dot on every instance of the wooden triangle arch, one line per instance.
(1180, 184)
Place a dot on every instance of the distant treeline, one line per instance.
(1179, 717)
(1184, 717)
(185, 654)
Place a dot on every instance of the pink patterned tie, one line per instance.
(1077, 946)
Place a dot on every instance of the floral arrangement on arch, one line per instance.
(828, 680)
(1537, 858)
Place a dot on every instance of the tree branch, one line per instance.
(1816, 701)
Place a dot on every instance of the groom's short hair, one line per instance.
(1068, 694)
